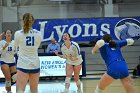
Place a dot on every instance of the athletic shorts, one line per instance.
(118, 70)
(29, 70)
(9, 64)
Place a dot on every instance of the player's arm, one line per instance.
(3, 47)
(98, 45)
(16, 38)
(126, 42)
(1, 35)
(60, 55)
(6, 44)
(73, 58)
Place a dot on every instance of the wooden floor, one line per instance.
(115, 87)
(88, 86)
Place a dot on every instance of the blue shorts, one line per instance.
(118, 70)
(9, 64)
(29, 70)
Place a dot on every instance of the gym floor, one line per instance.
(88, 86)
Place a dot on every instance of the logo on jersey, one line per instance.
(127, 28)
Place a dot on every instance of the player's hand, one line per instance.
(5, 45)
(72, 58)
(56, 52)
(1, 35)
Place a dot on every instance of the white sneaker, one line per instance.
(79, 91)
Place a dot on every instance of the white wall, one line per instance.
(9, 14)
(129, 10)
(61, 11)
(56, 11)
(1, 19)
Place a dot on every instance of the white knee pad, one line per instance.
(67, 80)
(78, 82)
(20, 91)
(33, 92)
(14, 77)
(98, 90)
(7, 83)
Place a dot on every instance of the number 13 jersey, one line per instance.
(7, 54)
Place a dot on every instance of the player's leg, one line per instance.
(22, 79)
(69, 71)
(128, 84)
(105, 81)
(76, 77)
(13, 74)
(33, 81)
(6, 71)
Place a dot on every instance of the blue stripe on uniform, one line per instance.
(76, 47)
(9, 64)
(29, 70)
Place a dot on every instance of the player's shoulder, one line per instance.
(101, 43)
(18, 32)
(74, 43)
(35, 31)
(2, 41)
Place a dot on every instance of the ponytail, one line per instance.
(27, 21)
(112, 44)
(107, 38)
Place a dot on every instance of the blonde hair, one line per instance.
(28, 20)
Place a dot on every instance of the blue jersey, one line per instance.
(110, 55)
(116, 66)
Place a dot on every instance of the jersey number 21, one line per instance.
(30, 41)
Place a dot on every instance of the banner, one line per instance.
(52, 65)
(87, 29)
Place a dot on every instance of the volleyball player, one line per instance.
(71, 52)
(116, 65)
(8, 65)
(28, 65)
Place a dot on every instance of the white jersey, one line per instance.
(28, 49)
(74, 50)
(7, 54)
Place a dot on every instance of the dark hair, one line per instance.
(107, 38)
(68, 35)
(6, 31)
(28, 20)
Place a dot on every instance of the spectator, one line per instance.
(53, 46)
